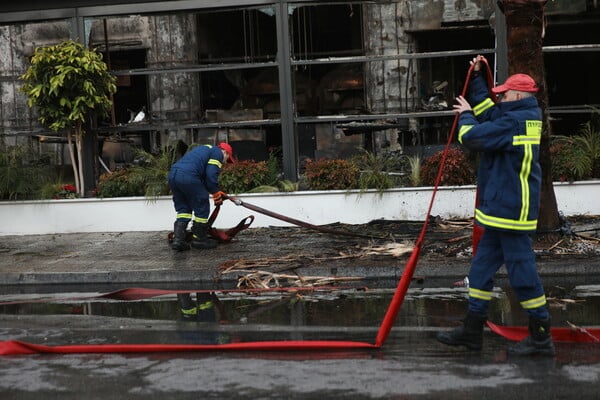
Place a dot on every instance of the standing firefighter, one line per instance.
(191, 179)
(507, 135)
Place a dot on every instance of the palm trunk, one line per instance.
(525, 33)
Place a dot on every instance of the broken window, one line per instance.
(571, 53)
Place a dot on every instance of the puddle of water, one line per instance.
(422, 307)
(411, 355)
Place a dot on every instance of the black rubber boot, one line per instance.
(539, 342)
(179, 243)
(200, 238)
(469, 335)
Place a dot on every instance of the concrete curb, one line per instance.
(588, 268)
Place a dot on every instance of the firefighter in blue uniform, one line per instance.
(191, 179)
(507, 136)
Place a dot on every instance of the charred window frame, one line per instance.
(571, 52)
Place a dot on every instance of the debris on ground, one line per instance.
(562, 303)
(445, 239)
(267, 280)
(253, 278)
(454, 239)
(389, 249)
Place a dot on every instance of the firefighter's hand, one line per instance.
(462, 106)
(219, 197)
(476, 63)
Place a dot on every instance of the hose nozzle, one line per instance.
(236, 201)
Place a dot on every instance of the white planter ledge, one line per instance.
(316, 207)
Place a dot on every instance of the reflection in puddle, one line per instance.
(422, 307)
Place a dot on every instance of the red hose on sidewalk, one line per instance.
(574, 334)
(17, 347)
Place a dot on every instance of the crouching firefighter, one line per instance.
(191, 179)
(507, 136)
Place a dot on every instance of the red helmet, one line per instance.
(520, 82)
(226, 147)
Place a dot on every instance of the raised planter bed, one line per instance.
(316, 207)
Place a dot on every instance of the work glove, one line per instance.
(219, 197)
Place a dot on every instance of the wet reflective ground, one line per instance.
(336, 308)
(411, 364)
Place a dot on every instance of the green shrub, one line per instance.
(119, 184)
(151, 171)
(377, 170)
(274, 166)
(569, 160)
(577, 157)
(457, 170)
(331, 174)
(243, 176)
(589, 140)
(146, 177)
(251, 176)
(20, 177)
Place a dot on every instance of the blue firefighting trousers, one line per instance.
(514, 250)
(189, 194)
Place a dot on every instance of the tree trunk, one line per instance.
(79, 143)
(525, 33)
(73, 160)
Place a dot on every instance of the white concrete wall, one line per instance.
(139, 214)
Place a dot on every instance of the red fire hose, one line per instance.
(222, 236)
(409, 269)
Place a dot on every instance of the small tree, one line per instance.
(69, 83)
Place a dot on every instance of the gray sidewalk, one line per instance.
(145, 258)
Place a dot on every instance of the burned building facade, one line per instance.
(315, 79)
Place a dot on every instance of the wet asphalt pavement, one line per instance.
(410, 365)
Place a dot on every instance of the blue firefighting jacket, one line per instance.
(203, 162)
(507, 135)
